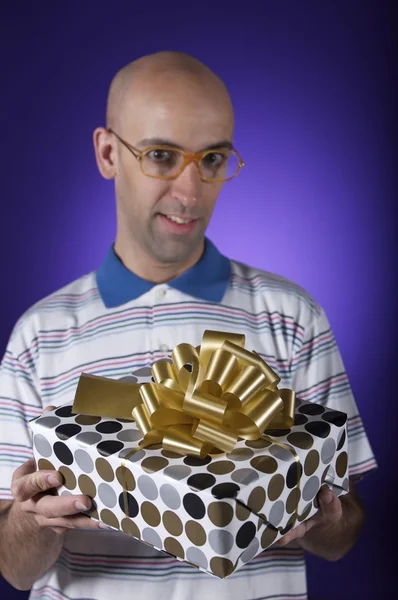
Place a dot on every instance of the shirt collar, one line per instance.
(207, 280)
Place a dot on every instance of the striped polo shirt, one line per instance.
(110, 322)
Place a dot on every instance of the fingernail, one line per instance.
(53, 480)
(327, 497)
(103, 526)
(80, 505)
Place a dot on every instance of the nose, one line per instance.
(186, 187)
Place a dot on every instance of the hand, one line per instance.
(30, 489)
(330, 511)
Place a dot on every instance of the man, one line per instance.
(168, 148)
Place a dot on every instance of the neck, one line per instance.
(136, 260)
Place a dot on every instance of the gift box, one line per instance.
(201, 457)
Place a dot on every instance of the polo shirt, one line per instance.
(110, 322)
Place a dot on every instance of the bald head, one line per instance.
(163, 74)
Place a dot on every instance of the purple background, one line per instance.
(312, 85)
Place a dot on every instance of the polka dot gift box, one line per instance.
(201, 457)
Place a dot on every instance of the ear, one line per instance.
(105, 152)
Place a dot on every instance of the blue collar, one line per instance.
(207, 280)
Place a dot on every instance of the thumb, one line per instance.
(331, 508)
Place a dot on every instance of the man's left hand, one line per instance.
(330, 511)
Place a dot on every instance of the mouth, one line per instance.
(179, 220)
(178, 224)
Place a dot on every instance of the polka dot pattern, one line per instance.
(275, 486)
(216, 512)
(45, 465)
(126, 478)
(245, 534)
(194, 506)
(152, 464)
(69, 477)
(173, 546)
(108, 517)
(147, 487)
(128, 504)
(245, 476)
(256, 499)
(64, 432)
(196, 533)
(328, 450)
(221, 467)
(48, 422)
(84, 461)
(109, 427)
(63, 453)
(88, 438)
(311, 488)
(251, 551)
(42, 445)
(87, 420)
(109, 447)
(220, 513)
(221, 567)
(104, 469)
(130, 527)
(264, 464)
(221, 541)
(87, 486)
(150, 514)
(201, 481)
(170, 496)
(197, 557)
(318, 429)
(239, 454)
(64, 411)
(172, 523)
(276, 513)
(152, 537)
(107, 495)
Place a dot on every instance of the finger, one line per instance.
(27, 486)
(59, 506)
(298, 532)
(50, 407)
(72, 522)
(295, 533)
(59, 530)
(330, 505)
(25, 469)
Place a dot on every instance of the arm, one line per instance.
(335, 528)
(30, 515)
(32, 527)
(318, 375)
(26, 551)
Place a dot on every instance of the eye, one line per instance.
(159, 155)
(214, 159)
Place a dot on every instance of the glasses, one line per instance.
(165, 162)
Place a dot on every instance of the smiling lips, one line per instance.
(178, 220)
(179, 225)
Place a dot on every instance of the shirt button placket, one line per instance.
(159, 297)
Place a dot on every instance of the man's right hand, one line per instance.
(31, 488)
(31, 491)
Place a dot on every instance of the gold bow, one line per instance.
(204, 401)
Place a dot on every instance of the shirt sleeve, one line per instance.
(319, 376)
(19, 403)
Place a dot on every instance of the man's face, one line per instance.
(193, 119)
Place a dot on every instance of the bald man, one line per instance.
(168, 147)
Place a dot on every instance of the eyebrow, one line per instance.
(155, 141)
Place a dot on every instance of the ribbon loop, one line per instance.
(221, 370)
